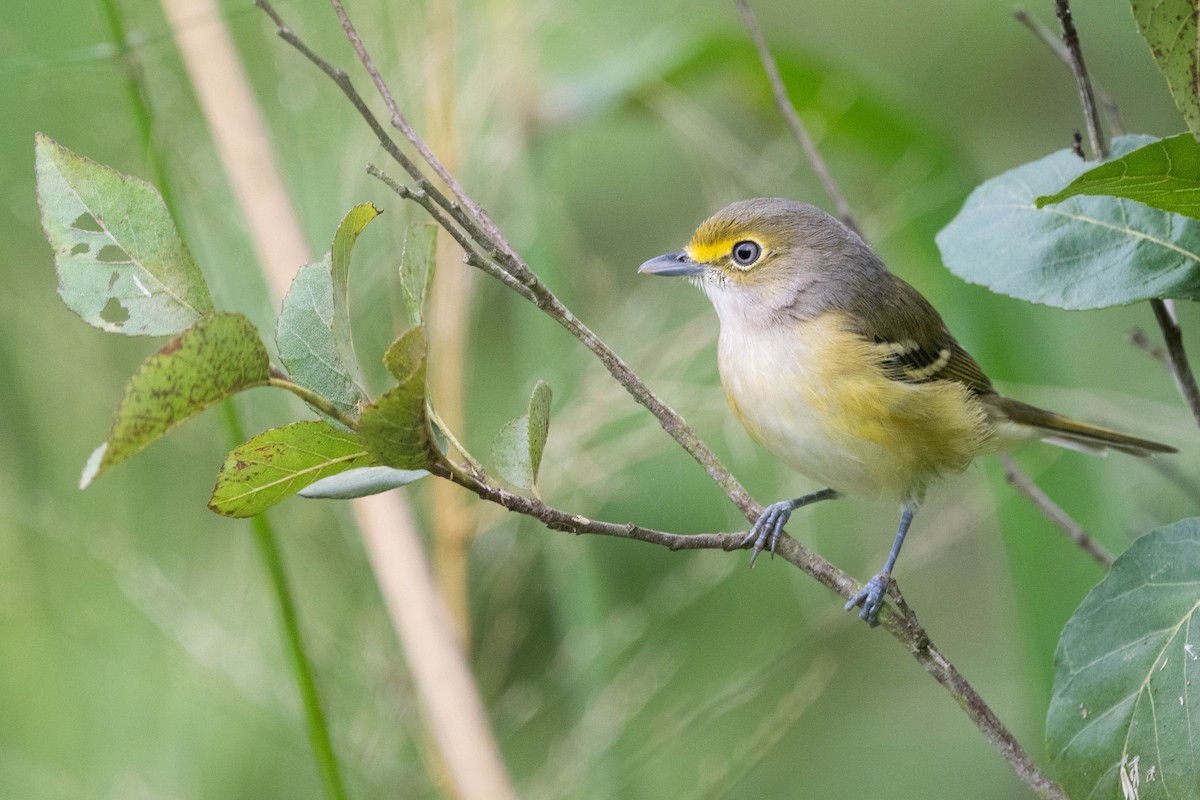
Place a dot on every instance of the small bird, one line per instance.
(846, 372)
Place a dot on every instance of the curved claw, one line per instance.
(870, 597)
(767, 529)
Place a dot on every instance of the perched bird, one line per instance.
(846, 372)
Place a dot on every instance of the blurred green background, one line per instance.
(140, 652)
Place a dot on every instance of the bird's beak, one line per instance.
(672, 264)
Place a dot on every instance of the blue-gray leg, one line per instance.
(769, 526)
(870, 597)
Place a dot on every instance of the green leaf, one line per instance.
(121, 263)
(517, 448)
(307, 348)
(1169, 27)
(281, 462)
(539, 427)
(217, 357)
(394, 427)
(1164, 174)
(1088, 252)
(417, 264)
(361, 482)
(1126, 674)
(343, 244)
(313, 332)
(406, 353)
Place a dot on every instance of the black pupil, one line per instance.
(745, 252)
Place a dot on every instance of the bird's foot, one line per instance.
(767, 529)
(870, 597)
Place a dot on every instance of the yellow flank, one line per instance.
(816, 395)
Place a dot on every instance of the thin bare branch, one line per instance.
(1177, 359)
(901, 621)
(1141, 340)
(491, 245)
(792, 118)
(1054, 512)
(1111, 112)
(1087, 98)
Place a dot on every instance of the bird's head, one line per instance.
(769, 254)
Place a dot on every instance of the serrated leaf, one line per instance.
(1169, 27)
(361, 482)
(1164, 174)
(307, 348)
(394, 426)
(417, 263)
(1088, 252)
(281, 462)
(517, 448)
(404, 354)
(539, 428)
(217, 357)
(121, 263)
(1127, 672)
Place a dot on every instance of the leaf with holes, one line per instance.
(417, 263)
(121, 263)
(1087, 252)
(517, 448)
(281, 462)
(1164, 174)
(1127, 673)
(1169, 27)
(361, 482)
(214, 359)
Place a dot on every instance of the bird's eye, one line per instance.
(746, 252)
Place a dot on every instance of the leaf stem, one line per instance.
(320, 403)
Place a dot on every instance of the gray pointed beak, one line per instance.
(672, 264)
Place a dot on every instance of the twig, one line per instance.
(1062, 8)
(901, 622)
(317, 401)
(456, 719)
(491, 252)
(1054, 512)
(1111, 112)
(792, 118)
(493, 247)
(1139, 339)
(1177, 358)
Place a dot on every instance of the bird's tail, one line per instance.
(1073, 434)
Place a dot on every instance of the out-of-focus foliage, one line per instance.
(141, 651)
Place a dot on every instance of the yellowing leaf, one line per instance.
(214, 359)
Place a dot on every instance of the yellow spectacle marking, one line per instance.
(708, 252)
